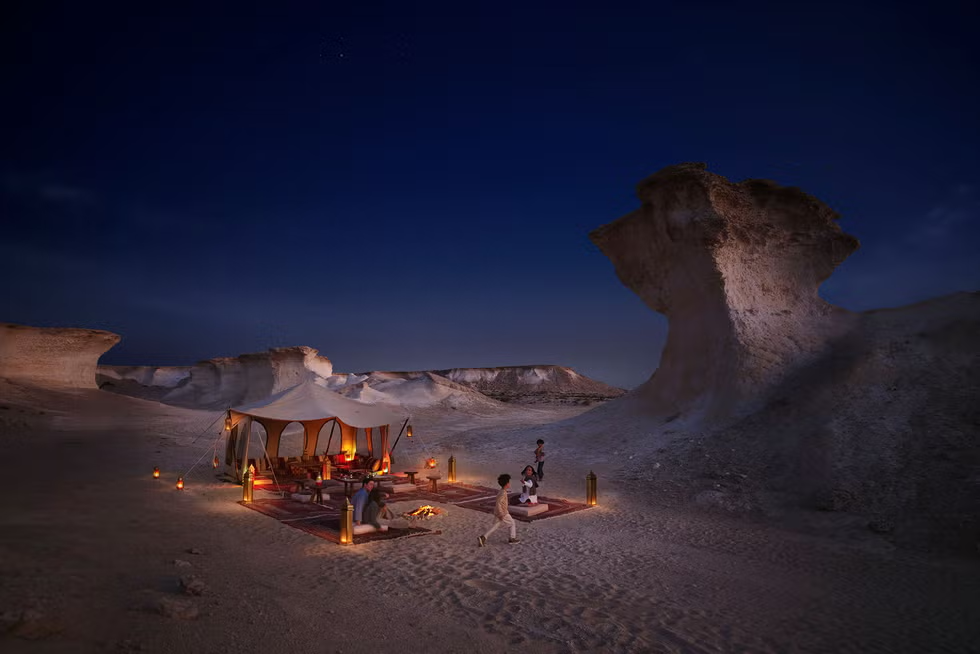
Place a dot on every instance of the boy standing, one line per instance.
(539, 459)
(501, 516)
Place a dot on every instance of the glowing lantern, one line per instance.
(590, 489)
(214, 461)
(347, 523)
(452, 470)
(228, 423)
(180, 483)
(156, 473)
(248, 484)
(409, 432)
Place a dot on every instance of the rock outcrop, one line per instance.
(52, 356)
(533, 384)
(231, 381)
(736, 269)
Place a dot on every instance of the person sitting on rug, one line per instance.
(377, 499)
(362, 505)
(529, 486)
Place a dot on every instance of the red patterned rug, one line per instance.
(323, 520)
(468, 496)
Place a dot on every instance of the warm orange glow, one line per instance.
(180, 483)
(214, 462)
(424, 511)
(156, 473)
(409, 432)
(430, 463)
(228, 423)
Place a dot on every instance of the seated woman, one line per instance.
(379, 509)
(529, 486)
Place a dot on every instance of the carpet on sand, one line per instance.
(323, 520)
(469, 496)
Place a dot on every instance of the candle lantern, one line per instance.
(409, 432)
(180, 483)
(156, 472)
(347, 523)
(248, 485)
(325, 468)
(452, 470)
(228, 423)
(590, 489)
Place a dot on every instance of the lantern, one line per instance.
(409, 432)
(452, 470)
(325, 469)
(228, 423)
(347, 523)
(248, 484)
(180, 483)
(590, 489)
(214, 461)
(156, 472)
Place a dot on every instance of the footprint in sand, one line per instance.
(489, 586)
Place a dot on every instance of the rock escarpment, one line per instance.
(52, 356)
(231, 381)
(533, 384)
(736, 269)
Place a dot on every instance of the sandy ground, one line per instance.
(91, 548)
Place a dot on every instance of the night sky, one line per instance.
(410, 185)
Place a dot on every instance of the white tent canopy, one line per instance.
(309, 401)
(314, 407)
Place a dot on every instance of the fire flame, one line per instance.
(425, 511)
(430, 463)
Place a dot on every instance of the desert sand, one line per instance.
(793, 478)
(92, 550)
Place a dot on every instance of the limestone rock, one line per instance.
(736, 269)
(52, 356)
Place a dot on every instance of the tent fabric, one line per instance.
(309, 401)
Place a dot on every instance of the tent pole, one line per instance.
(404, 424)
(330, 440)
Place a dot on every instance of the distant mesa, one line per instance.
(230, 381)
(735, 267)
(52, 356)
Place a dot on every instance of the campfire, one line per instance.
(423, 512)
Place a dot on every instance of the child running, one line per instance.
(501, 516)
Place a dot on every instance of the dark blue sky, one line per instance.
(411, 185)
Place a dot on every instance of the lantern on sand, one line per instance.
(180, 483)
(590, 489)
(248, 484)
(156, 472)
(347, 523)
(452, 470)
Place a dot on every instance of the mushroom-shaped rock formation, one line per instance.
(736, 269)
(52, 356)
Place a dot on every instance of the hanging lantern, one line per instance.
(228, 423)
(409, 432)
(156, 472)
(452, 470)
(347, 523)
(214, 461)
(590, 489)
(180, 483)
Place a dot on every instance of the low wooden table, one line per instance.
(434, 478)
(349, 484)
(411, 475)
